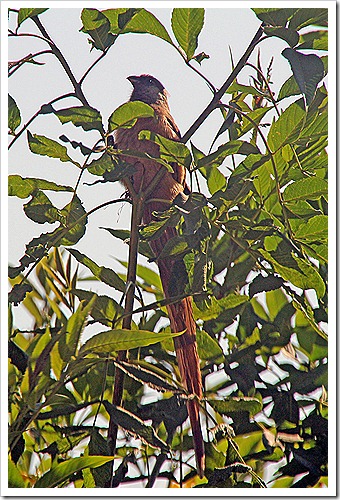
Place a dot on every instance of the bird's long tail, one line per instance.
(181, 318)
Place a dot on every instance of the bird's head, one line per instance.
(148, 89)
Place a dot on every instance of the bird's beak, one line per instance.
(133, 79)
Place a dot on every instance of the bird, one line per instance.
(151, 91)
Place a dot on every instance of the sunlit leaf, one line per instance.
(236, 404)
(81, 116)
(27, 13)
(22, 187)
(41, 145)
(126, 115)
(187, 25)
(118, 340)
(96, 24)
(61, 472)
(136, 21)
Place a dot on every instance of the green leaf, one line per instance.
(104, 274)
(235, 404)
(289, 88)
(315, 229)
(308, 71)
(104, 309)
(216, 158)
(73, 227)
(187, 25)
(264, 284)
(218, 306)
(101, 165)
(96, 24)
(61, 472)
(170, 151)
(81, 116)
(27, 13)
(311, 188)
(136, 21)
(176, 246)
(306, 17)
(22, 187)
(124, 235)
(153, 380)
(126, 115)
(41, 145)
(305, 276)
(287, 34)
(40, 209)
(316, 40)
(208, 348)
(121, 340)
(287, 128)
(200, 57)
(15, 479)
(14, 117)
(135, 426)
(68, 344)
(275, 17)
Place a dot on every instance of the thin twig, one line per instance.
(76, 85)
(215, 100)
(27, 124)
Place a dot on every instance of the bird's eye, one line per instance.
(150, 80)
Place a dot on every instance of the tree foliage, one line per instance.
(254, 242)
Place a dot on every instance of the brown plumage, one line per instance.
(149, 90)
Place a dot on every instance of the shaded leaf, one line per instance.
(74, 220)
(18, 293)
(264, 284)
(308, 71)
(104, 309)
(149, 378)
(104, 274)
(274, 16)
(306, 17)
(124, 235)
(14, 117)
(40, 209)
(208, 348)
(287, 34)
(135, 426)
